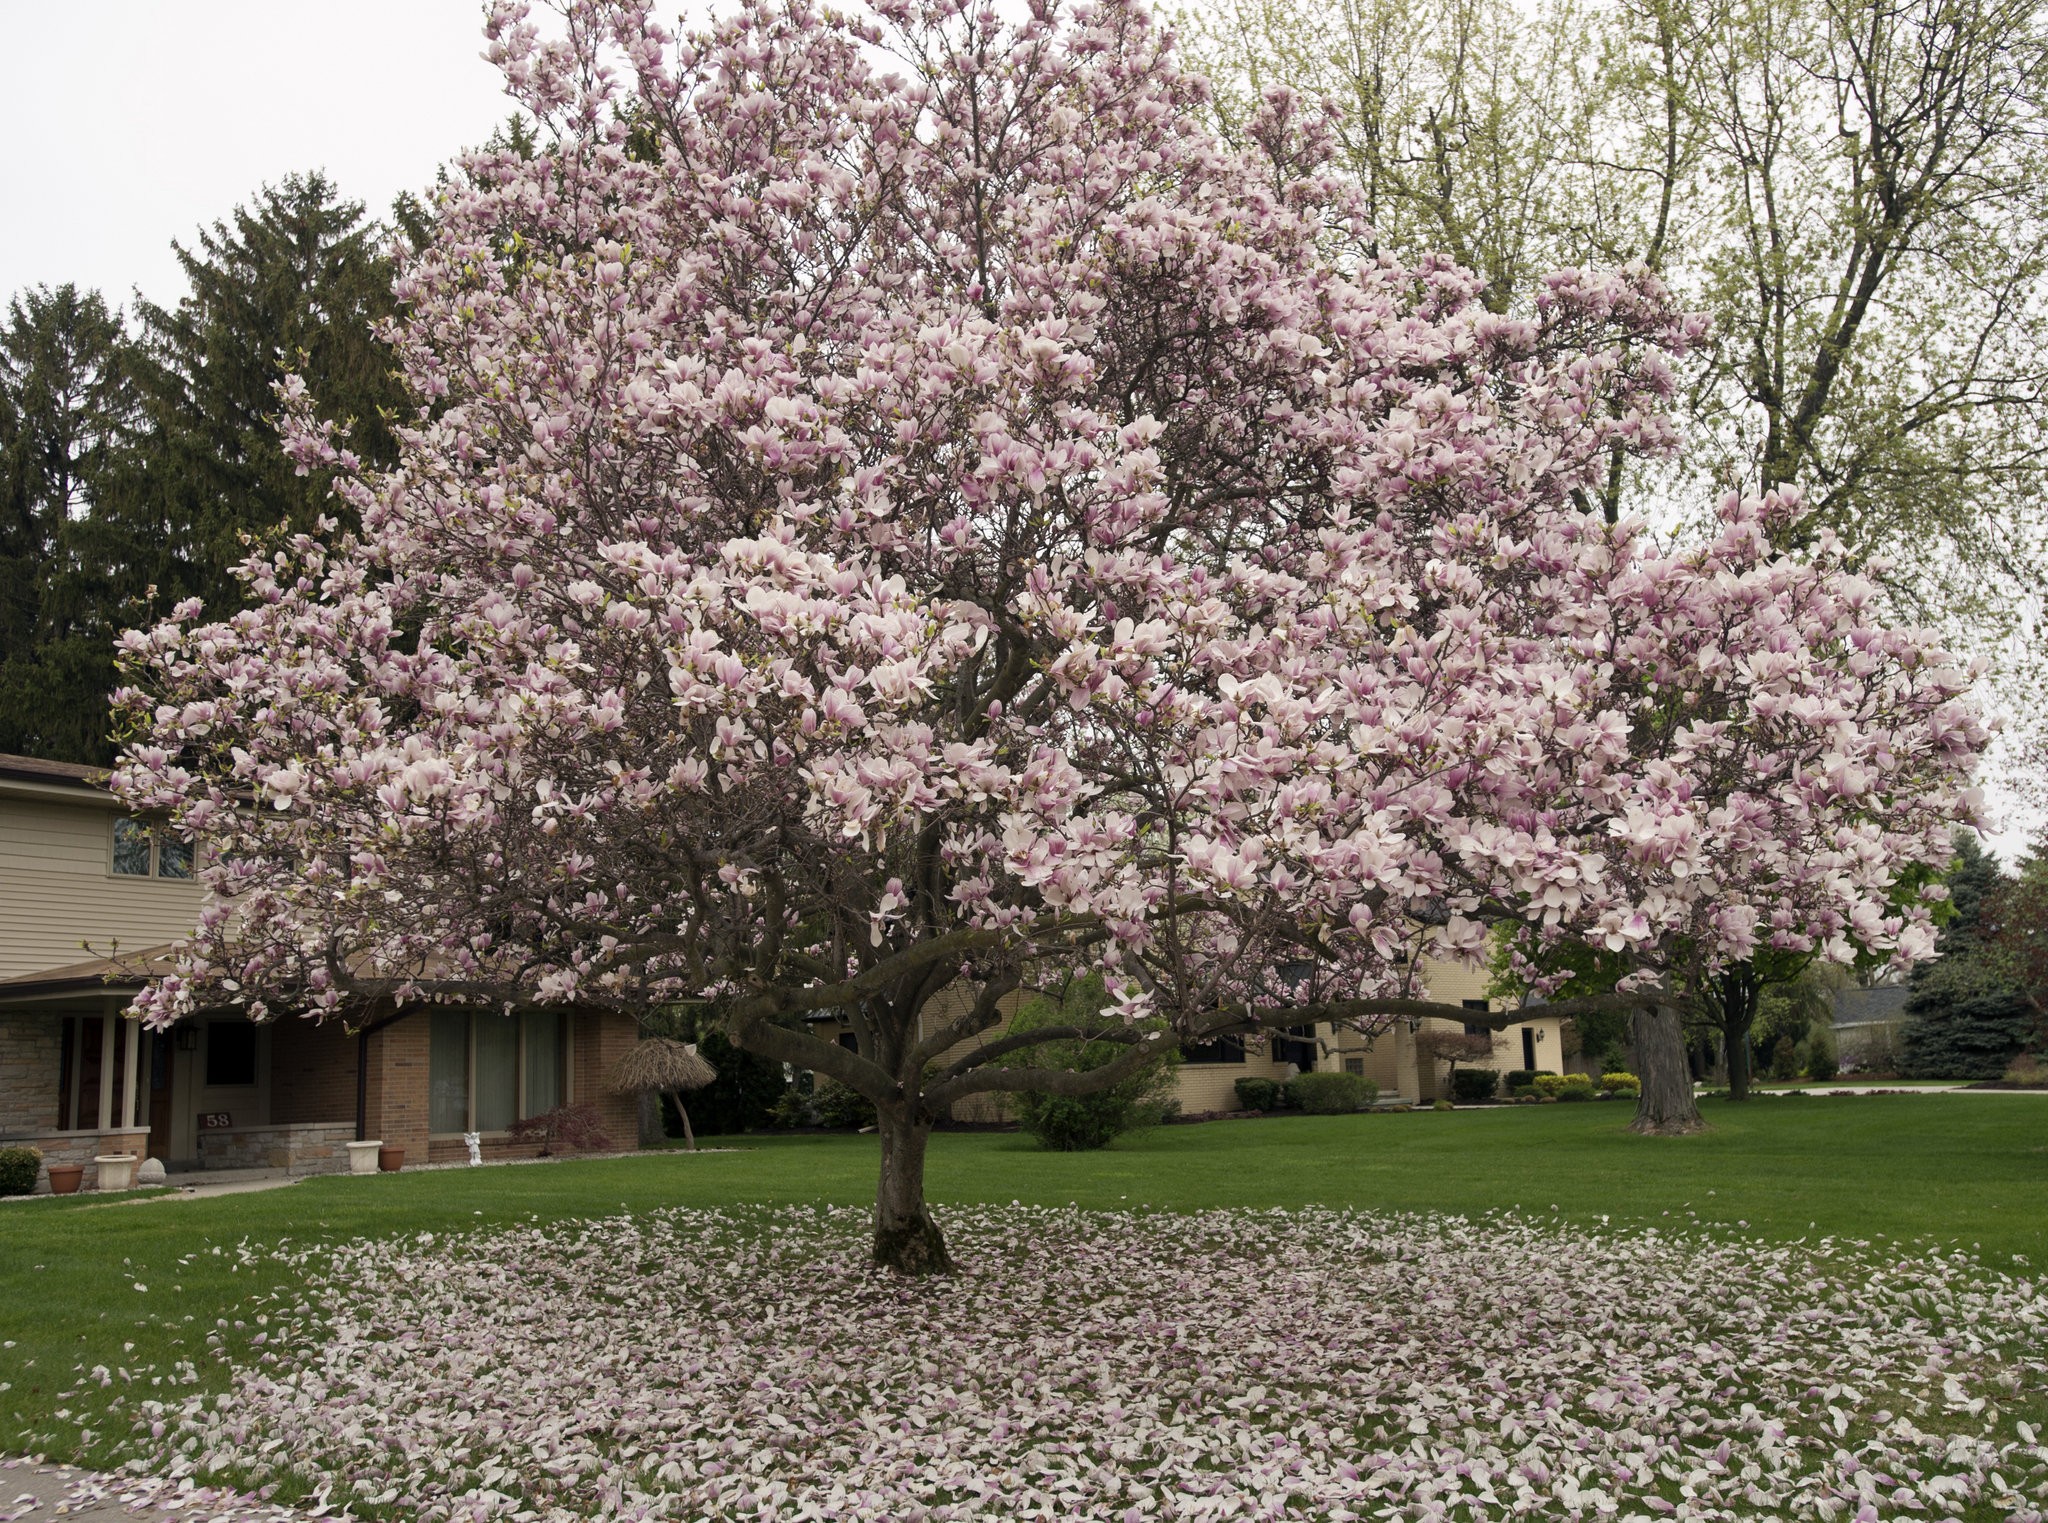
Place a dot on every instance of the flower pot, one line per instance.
(65, 1178)
(116, 1171)
(362, 1157)
(391, 1160)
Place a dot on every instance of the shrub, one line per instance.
(1518, 1078)
(1784, 1059)
(1443, 1105)
(1331, 1094)
(1621, 1083)
(1080, 1123)
(565, 1129)
(1521, 1092)
(793, 1108)
(1471, 1085)
(841, 1109)
(18, 1170)
(1575, 1087)
(1258, 1094)
(1548, 1085)
(2027, 1069)
(1820, 1063)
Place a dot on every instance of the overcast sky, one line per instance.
(127, 124)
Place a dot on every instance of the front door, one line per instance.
(1529, 1047)
(161, 1053)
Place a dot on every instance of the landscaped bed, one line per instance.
(744, 1364)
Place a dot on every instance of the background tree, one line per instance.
(296, 282)
(1966, 1017)
(75, 557)
(1852, 189)
(1081, 1123)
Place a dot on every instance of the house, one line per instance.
(1867, 1023)
(1206, 1081)
(94, 899)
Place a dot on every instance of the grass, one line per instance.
(1964, 1172)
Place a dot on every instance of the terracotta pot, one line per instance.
(65, 1178)
(391, 1160)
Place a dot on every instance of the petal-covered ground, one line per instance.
(746, 1365)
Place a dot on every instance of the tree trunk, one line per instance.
(907, 1240)
(1666, 1107)
(1737, 1040)
(689, 1137)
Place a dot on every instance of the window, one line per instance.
(230, 1054)
(486, 1071)
(1225, 1049)
(1477, 1028)
(1355, 1066)
(150, 851)
(849, 1041)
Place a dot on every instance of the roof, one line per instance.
(1862, 1007)
(107, 974)
(33, 769)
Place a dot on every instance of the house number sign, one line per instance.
(215, 1121)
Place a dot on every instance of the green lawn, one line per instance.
(1962, 1171)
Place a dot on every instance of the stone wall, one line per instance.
(76, 1147)
(319, 1147)
(31, 1063)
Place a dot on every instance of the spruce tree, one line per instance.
(1966, 1019)
(294, 282)
(74, 570)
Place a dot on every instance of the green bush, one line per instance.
(1443, 1105)
(18, 1168)
(1471, 1085)
(1820, 1062)
(1258, 1094)
(1784, 1059)
(841, 1109)
(1621, 1083)
(1080, 1123)
(1548, 1085)
(1331, 1094)
(1576, 1087)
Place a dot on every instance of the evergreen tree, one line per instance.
(72, 571)
(1966, 1019)
(294, 282)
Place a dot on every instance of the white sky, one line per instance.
(127, 124)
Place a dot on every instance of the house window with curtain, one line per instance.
(486, 1070)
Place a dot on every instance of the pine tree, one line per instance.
(72, 568)
(1966, 1019)
(294, 282)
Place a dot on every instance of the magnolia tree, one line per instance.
(1796, 775)
(894, 505)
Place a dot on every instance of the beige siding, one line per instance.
(56, 863)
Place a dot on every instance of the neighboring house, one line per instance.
(94, 899)
(1867, 1023)
(1206, 1082)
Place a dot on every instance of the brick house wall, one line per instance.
(312, 1072)
(398, 1084)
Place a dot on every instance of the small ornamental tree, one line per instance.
(895, 504)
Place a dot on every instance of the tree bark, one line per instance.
(907, 1240)
(689, 1137)
(1736, 1040)
(1666, 1107)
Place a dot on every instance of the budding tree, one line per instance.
(896, 504)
